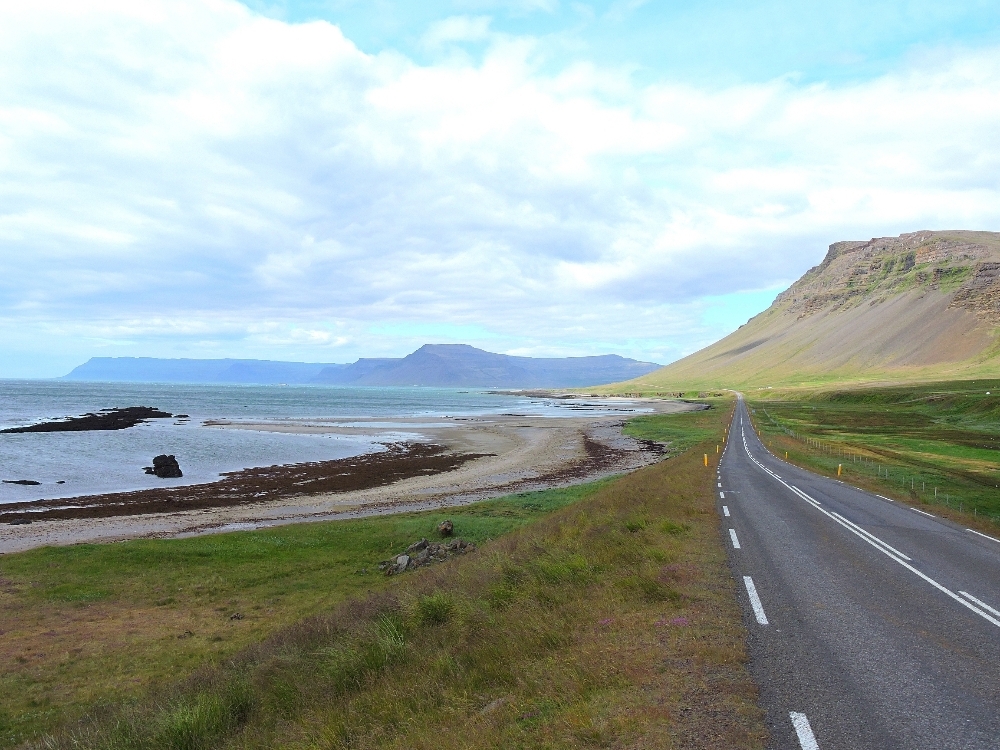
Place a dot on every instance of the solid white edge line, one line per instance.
(725, 511)
(758, 608)
(982, 604)
(887, 553)
(871, 536)
(805, 733)
(732, 537)
(985, 536)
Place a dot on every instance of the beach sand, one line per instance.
(454, 461)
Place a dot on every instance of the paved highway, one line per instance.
(872, 624)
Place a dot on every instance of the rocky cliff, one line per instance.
(923, 305)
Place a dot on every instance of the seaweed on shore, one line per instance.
(254, 485)
(106, 419)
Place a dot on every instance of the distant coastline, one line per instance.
(433, 365)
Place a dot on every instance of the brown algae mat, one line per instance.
(611, 622)
(255, 485)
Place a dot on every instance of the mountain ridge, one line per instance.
(439, 365)
(921, 306)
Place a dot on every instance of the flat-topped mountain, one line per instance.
(923, 305)
(442, 365)
(462, 365)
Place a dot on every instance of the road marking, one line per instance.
(982, 604)
(732, 537)
(924, 512)
(805, 733)
(886, 498)
(725, 511)
(758, 608)
(983, 535)
(880, 546)
(722, 495)
(720, 484)
(869, 535)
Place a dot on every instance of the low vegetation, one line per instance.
(598, 615)
(935, 444)
(679, 433)
(99, 622)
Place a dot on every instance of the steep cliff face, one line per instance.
(965, 264)
(922, 305)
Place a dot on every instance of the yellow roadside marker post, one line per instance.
(786, 455)
(716, 449)
(839, 467)
(706, 459)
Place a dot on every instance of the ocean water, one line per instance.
(70, 464)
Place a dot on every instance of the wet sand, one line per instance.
(454, 461)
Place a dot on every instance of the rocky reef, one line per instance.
(106, 419)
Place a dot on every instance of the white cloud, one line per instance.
(207, 171)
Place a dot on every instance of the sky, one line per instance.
(329, 179)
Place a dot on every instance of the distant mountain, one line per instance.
(460, 365)
(921, 306)
(442, 365)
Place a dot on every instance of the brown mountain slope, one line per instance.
(920, 306)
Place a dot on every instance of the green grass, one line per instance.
(611, 621)
(679, 431)
(902, 441)
(98, 622)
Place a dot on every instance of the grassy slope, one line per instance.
(93, 623)
(789, 362)
(944, 435)
(891, 312)
(607, 618)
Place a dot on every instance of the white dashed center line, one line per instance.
(805, 733)
(732, 536)
(722, 495)
(725, 511)
(758, 608)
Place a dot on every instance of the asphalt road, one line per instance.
(872, 625)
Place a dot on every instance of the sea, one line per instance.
(71, 464)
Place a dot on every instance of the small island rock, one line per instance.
(165, 467)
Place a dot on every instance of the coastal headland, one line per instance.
(455, 461)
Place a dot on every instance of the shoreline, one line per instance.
(454, 461)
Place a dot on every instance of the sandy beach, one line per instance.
(454, 461)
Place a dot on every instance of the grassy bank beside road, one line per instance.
(102, 622)
(934, 444)
(599, 615)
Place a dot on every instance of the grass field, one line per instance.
(935, 444)
(599, 614)
(681, 431)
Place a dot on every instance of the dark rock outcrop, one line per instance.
(106, 419)
(165, 467)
